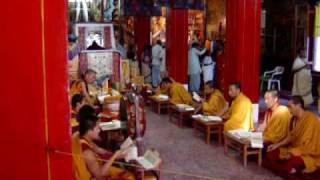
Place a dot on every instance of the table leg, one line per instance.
(245, 155)
(260, 157)
(194, 128)
(226, 145)
(220, 135)
(159, 108)
(208, 135)
(180, 119)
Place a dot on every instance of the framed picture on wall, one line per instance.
(101, 33)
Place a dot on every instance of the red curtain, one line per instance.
(34, 79)
(177, 44)
(142, 29)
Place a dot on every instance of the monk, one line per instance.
(162, 89)
(240, 114)
(275, 126)
(177, 93)
(95, 168)
(77, 103)
(300, 150)
(86, 87)
(216, 105)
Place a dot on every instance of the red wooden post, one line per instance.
(177, 44)
(142, 29)
(243, 45)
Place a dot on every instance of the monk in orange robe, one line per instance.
(77, 102)
(240, 114)
(216, 105)
(275, 126)
(300, 150)
(89, 164)
(177, 93)
(86, 87)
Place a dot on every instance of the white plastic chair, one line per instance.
(276, 77)
(265, 78)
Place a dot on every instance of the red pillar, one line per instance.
(34, 90)
(177, 44)
(243, 45)
(142, 29)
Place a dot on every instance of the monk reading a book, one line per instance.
(89, 164)
(300, 149)
(240, 114)
(215, 105)
(177, 93)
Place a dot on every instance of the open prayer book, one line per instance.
(102, 97)
(196, 97)
(113, 125)
(149, 160)
(207, 118)
(132, 150)
(255, 138)
(163, 97)
(185, 107)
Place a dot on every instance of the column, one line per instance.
(142, 31)
(177, 44)
(243, 45)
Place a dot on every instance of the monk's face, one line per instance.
(90, 78)
(79, 105)
(233, 91)
(94, 133)
(165, 85)
(293, 108)
(270, 100)
(208, 89)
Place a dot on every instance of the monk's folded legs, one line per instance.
(290, 166)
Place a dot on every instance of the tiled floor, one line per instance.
(182, 152)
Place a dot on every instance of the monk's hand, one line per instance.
(272, 147)
(120, 154)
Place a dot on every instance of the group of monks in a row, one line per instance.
(291, 134)
(90, 160)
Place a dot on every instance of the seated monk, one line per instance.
(300, 150)
(77, 102)
(177, 93)
(240, 114)
(162, 89)
(95, 168)
(275, 126)
(86, 87)
(216, 105)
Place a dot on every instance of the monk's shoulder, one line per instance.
(282, 110)
(244, 99)
(310, 116)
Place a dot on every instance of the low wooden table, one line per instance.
(212, 127)
(159, 104)
(243, 146)
(179, 114)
